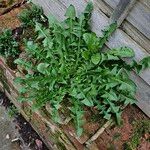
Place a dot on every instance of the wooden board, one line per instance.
(121, 11)
(126, 26)
(146, 2)
(143, 95)
(136, 35)
(138, 17)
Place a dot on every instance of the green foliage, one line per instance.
(70, 67)
(12, 111)
(141, 128)
(8, 45)
(143, 64)
(29, 16)
(122, 52)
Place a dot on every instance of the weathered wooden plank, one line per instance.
(113, 3)
(99, 132)
(104, 7)
(139, 16)
(133, 32)
(143, 95)
(99, 22)
(146, 2)
(52, 7)
(121, 11)
(136, 35)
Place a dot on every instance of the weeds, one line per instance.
(28, 17)
(9, 47)
(141, 128)
(12, 111)
(69, 65)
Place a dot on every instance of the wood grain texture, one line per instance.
(136, 35)
(146, 2)
(133, 32)
(138, 17)
(112, 3)
(143, 95)
(52, 7)
(104, 7)
(121, 11)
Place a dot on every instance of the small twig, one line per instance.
(14, 140)
(98, 133)
(101, 130)
(1, 101)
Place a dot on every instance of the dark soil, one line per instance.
(28, 134)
